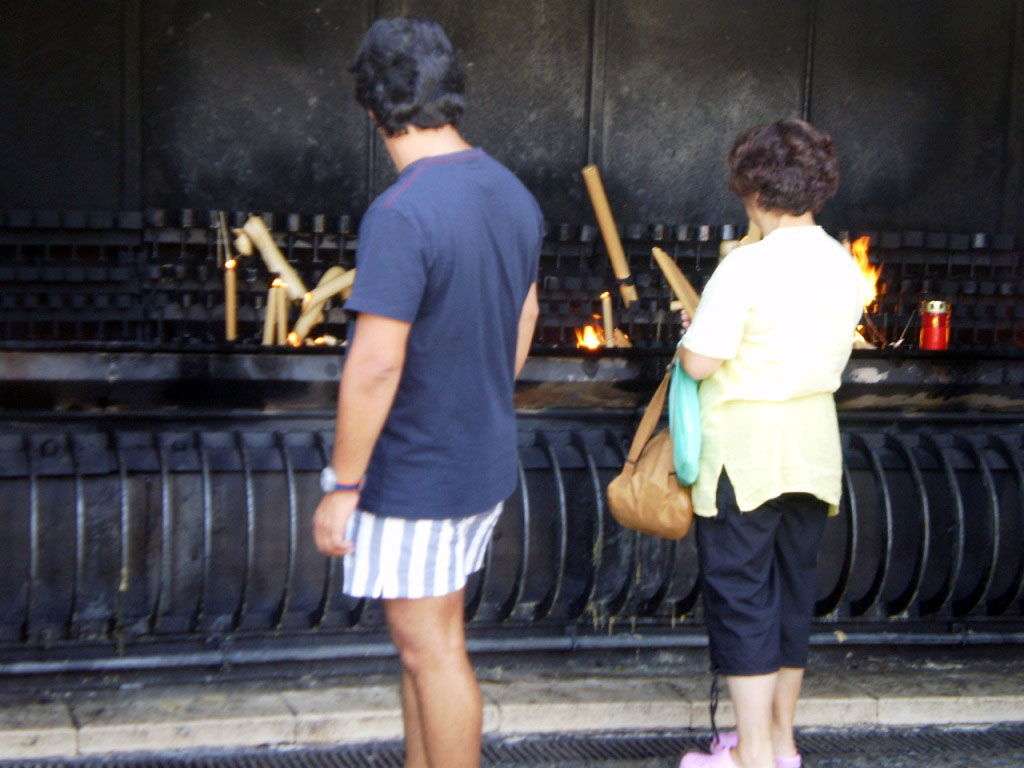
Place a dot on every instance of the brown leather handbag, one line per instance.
(646, 496)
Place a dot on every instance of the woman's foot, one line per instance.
(726, 740)
(720, 759)
(729, 739)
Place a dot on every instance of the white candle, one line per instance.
(282, 312)
(230, 300)
(268, 315)
(609, 321)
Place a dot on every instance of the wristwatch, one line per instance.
(329, 482)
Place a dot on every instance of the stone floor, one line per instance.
(855, 689)
(953, 760)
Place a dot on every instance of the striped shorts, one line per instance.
(397, 558)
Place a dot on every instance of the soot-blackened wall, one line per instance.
(244, 104)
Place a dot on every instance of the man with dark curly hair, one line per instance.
(770, 339)
(425, 446)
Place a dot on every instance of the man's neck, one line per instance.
(418, 143)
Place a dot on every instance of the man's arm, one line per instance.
(527, 324)
(369, 381)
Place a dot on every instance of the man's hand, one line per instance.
(329, 522)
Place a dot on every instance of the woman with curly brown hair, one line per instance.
(770, 339)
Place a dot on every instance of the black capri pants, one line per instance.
(758, 575)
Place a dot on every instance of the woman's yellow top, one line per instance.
(781, 313)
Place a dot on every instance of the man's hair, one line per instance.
(788, 166)
(407, 72)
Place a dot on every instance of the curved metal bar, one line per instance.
(293, 530)
(249, 572)
(165, 567)
(473, 606)
(941, 600)
(519, 586)
(474, 600)
(830, 604)
(331, 577)
(687, 602)
(79, 566)
(125, 552)
(33, 538)
(545, 606)
(871, 598)
(903, 603)
(1015, 591)
(597, 540)
(625, 594)
(669, 549)
(971, 602)
(207, 496)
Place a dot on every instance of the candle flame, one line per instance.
(869, 274)
(605, 295)
(230, 264)
(589, 337)
(293, 339)
(278, 283)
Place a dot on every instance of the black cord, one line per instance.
(713, 706)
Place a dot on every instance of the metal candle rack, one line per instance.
(152, 278)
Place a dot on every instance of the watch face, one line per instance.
(327, 479)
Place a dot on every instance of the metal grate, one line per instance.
(153, 279)
(588, 749)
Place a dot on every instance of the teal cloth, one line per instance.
(684, 424)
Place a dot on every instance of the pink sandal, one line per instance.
(729, 739)
(720, 759)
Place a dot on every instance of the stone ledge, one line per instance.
(37, 730)
(166, 720)
(171, 719)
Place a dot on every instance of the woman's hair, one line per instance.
(407, 72)
(788, 166)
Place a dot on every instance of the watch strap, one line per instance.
(349, 488)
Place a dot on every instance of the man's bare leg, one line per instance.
(787, 693)
(430, 635)
(415, 746)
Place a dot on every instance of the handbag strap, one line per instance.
(650, 418)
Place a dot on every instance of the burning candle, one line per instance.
(935, 325)
(609, 321)
(281, 315)
(230, 300)
(270, 313)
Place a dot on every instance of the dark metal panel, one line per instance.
(251, 105)
(683, 78)
(526, 74)
(60, 103)
(131, 106)
(595, 86)
(1013, 194)
(915, 94)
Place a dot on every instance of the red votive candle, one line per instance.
(935, 324)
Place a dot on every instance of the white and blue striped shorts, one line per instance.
(396, 558)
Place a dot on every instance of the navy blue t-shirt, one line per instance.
(452, 248)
